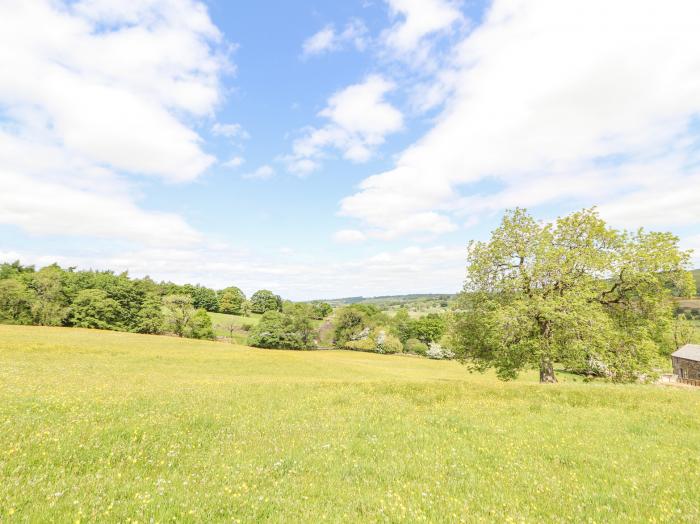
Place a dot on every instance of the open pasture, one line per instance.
(104, 426)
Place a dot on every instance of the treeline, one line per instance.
(54, 296)
(359, 327)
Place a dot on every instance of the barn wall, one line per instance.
(691, 368)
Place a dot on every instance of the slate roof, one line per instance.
(688, 352)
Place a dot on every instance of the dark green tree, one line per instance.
(150, 319)
(93, 308)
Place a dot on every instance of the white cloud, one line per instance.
(96, 89)
(232, 131)
(261, 173)
(359, 120)
(438, 269)
(55, 208)
(554, 102)
(234, 162)
(418, 20)
(328, 39)
(349, 236)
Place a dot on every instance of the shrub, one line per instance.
(413, 345)
(387, 343)
(200, 325)
(365, 344)
(437, 352)
(349, 325)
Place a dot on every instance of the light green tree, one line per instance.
(574, 292)
(15, 302)
(231, 301)
(178, 312)
(200, 325)
(50, 304)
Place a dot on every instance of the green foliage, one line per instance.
(231, 301)
(413, 345)
(15, 302)
(105, 300)
(265, 300)
(349, 323)
(574, 292)
(364, 344)
(429, 328)
(200, 325)
(378, 340)
(202, 297)
(93, 308)
(150, 319)
(178, 312)
(321, 310)
(50, 304)
(402, 325)
(277, 330)
(386, 343)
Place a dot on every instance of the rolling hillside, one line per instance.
(104, 426)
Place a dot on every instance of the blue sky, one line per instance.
(326, 149)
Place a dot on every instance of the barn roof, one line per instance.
(688, 352)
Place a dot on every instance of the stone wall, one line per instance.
(689, 368)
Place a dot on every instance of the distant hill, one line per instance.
(384, 301)
(387, 301)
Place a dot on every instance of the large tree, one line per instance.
(93, 308)
(574, 292)
(231, 301)
(264, 300)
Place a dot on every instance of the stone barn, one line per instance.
(686, 362)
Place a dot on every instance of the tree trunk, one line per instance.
(547, 371)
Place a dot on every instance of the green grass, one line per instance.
(221, 321)
(101, 426)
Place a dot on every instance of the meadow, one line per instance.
(105, 426)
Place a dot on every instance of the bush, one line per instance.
(377, 341)
(365, 344)
(349, 325)
(387, 343)
(437, 352)
(200, 326)
(415, 346)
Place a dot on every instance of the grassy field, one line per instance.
(100, 426)
(221, 322)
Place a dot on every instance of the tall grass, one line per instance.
(100, 426)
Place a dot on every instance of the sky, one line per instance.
(328, 149)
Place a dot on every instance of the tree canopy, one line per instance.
(575, 292)
(265, 300)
